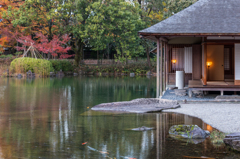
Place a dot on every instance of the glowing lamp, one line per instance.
(174, 61)
(209, 64)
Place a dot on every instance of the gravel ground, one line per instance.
(169, 94)
(224, 117)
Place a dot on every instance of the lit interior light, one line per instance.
(174, 61)
(209, 64)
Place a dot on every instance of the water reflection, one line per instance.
(50, 118)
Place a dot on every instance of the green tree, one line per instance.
(175, 6)
(152, 13)
(73, 15)
(115, 21)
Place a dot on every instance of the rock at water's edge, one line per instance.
(142, 105)
(233, 140)
(188, 131)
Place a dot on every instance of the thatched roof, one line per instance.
(205, 17)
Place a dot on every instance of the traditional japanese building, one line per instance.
(204, 41)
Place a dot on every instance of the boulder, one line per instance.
(19, 76)
(149, 73)
(52, 74)
(233, 140)
(180, 92)
(132, 74)
(188, 131)
(60, 74)
(198, 93)
(30, 74)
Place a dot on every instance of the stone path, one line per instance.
(142, 105)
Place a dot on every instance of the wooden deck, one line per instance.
(212, 86)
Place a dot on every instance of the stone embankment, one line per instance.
(142, 105)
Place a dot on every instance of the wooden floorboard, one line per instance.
(212, 84)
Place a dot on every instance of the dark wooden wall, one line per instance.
(197, 62)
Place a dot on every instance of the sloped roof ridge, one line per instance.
(204, 16)
(181, 12)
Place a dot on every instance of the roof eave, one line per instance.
(143, 34)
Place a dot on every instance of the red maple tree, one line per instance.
(56, 47)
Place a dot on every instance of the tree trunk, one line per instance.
(97, 57)
(108, 52)
(50, 35)
(148, 57)
(78, 51)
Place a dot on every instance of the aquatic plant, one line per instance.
(217, 137)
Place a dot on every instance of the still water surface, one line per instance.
(51, 119)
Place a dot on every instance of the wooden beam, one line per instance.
(161, 68)
(164, 39)
(158, 65)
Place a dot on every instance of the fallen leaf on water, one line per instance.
(84, 143)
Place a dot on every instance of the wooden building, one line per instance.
(204, 41)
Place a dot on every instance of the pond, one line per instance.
(51, 119)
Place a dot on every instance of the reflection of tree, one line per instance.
(49, 118)
(39, 117)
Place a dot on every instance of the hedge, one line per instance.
(38, 66)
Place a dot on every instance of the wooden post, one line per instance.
(165, 67)
(167, 63)
(161, 68)
(158, 46)
(204, 63)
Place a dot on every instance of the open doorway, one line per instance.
(229, 63)
(215, 63)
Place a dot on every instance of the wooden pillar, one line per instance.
(158, 65)
(161, 68)
(167, 63)
(205, 65)
(165, 66)
(164, 70)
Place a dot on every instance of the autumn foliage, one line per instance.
(6, 27)
(37, 34)
(56, 47)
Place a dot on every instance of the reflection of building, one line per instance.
(166, 147)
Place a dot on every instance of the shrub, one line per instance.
(6, 56)
(138, 68)
(38, 66)
(63, 65)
